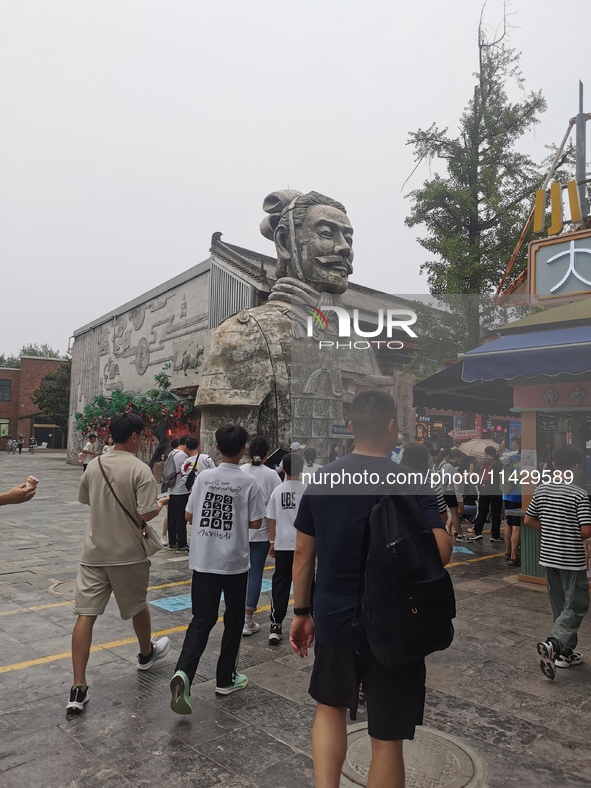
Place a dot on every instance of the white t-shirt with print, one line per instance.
(283, 507)
(268, 480)
(204, 462)
(223, 502)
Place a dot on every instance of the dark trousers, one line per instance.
(281, 585)
(495, 504)
(206, 591)
(177, 525)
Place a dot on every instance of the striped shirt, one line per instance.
(562, 509)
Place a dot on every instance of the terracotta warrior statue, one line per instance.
(263, 370)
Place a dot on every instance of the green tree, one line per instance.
(13, 362)
(473, 212)
(53, 396)
(159, 408)
(44, 350)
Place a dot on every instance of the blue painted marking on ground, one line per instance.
(183, 601)
(172, 603)
(458, 549)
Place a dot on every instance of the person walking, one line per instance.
(331, 528)
(114, 559)
(90, 451)
(109, 445)
(512, 500)
(282, 511)
(309, 454)
(178, 496)
(20, 443)
(446, 468)
(489, 496)
(224, 504)
(259, 540)
(32, 444)
(562, 511)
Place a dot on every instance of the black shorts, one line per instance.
(395, 697)
(450, 500)
(512, 521)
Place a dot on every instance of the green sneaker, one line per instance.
(180, 687)
(240, 682)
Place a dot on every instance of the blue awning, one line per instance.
(550, 353)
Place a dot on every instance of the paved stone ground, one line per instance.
(486, 689)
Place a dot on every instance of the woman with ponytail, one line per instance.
(267, 480)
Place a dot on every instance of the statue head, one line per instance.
(313, 237)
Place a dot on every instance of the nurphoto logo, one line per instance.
(389, 320)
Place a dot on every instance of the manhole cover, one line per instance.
(65, 588)
(432, 760)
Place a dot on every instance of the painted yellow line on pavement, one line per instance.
(30, 663)
(70, 602)
(36, 607)
(474, 560)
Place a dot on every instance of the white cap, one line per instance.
(295, 446)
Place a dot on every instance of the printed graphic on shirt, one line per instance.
(217, 512)
(288, 500)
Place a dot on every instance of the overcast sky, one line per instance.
(131, 130)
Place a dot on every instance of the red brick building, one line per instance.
(19, 415)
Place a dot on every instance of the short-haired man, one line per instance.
(224, 503)
(113, 557)
(489, 496)
(196, 460)
(562, 511)
(282, 511)
(331, 528)
(90, 451)
(178, 497)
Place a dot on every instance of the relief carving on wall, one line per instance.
(142, 356)
(104, 340)
(110, 372)
(137, 316)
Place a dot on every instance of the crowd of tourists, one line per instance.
(334, 543)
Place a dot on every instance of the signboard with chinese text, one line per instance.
(560, 268)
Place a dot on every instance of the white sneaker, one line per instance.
(250, 628)
(568, 660)
(164, 541)
(159, 651)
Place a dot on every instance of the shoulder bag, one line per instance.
(150, 541)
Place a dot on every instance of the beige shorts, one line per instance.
(129, 585)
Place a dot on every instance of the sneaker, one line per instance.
(183, 549)
(275, 634)
(240, 682)
(159, 651)
(567, 660)
(547, 651)
(497, 539)
(180, 687)
(460, 538)
(172, 546)
(475, 538)
(164, 541)
(78, 697)
(249, 628)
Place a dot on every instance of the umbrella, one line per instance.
(475, 448)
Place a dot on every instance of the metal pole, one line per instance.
(581, 153)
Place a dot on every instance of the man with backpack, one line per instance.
(196, 463)
(332, 525)
(171, 479)
(489, 496)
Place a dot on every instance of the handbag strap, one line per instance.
(110, 486)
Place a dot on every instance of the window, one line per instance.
(4, 427)
(5, 390)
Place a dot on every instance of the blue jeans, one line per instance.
(258, 556)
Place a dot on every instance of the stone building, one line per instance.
(19, 415)
(172, 323)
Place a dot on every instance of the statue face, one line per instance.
(325, 242)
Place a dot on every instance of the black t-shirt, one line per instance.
(337, 520)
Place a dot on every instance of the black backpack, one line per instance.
(406, 601)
